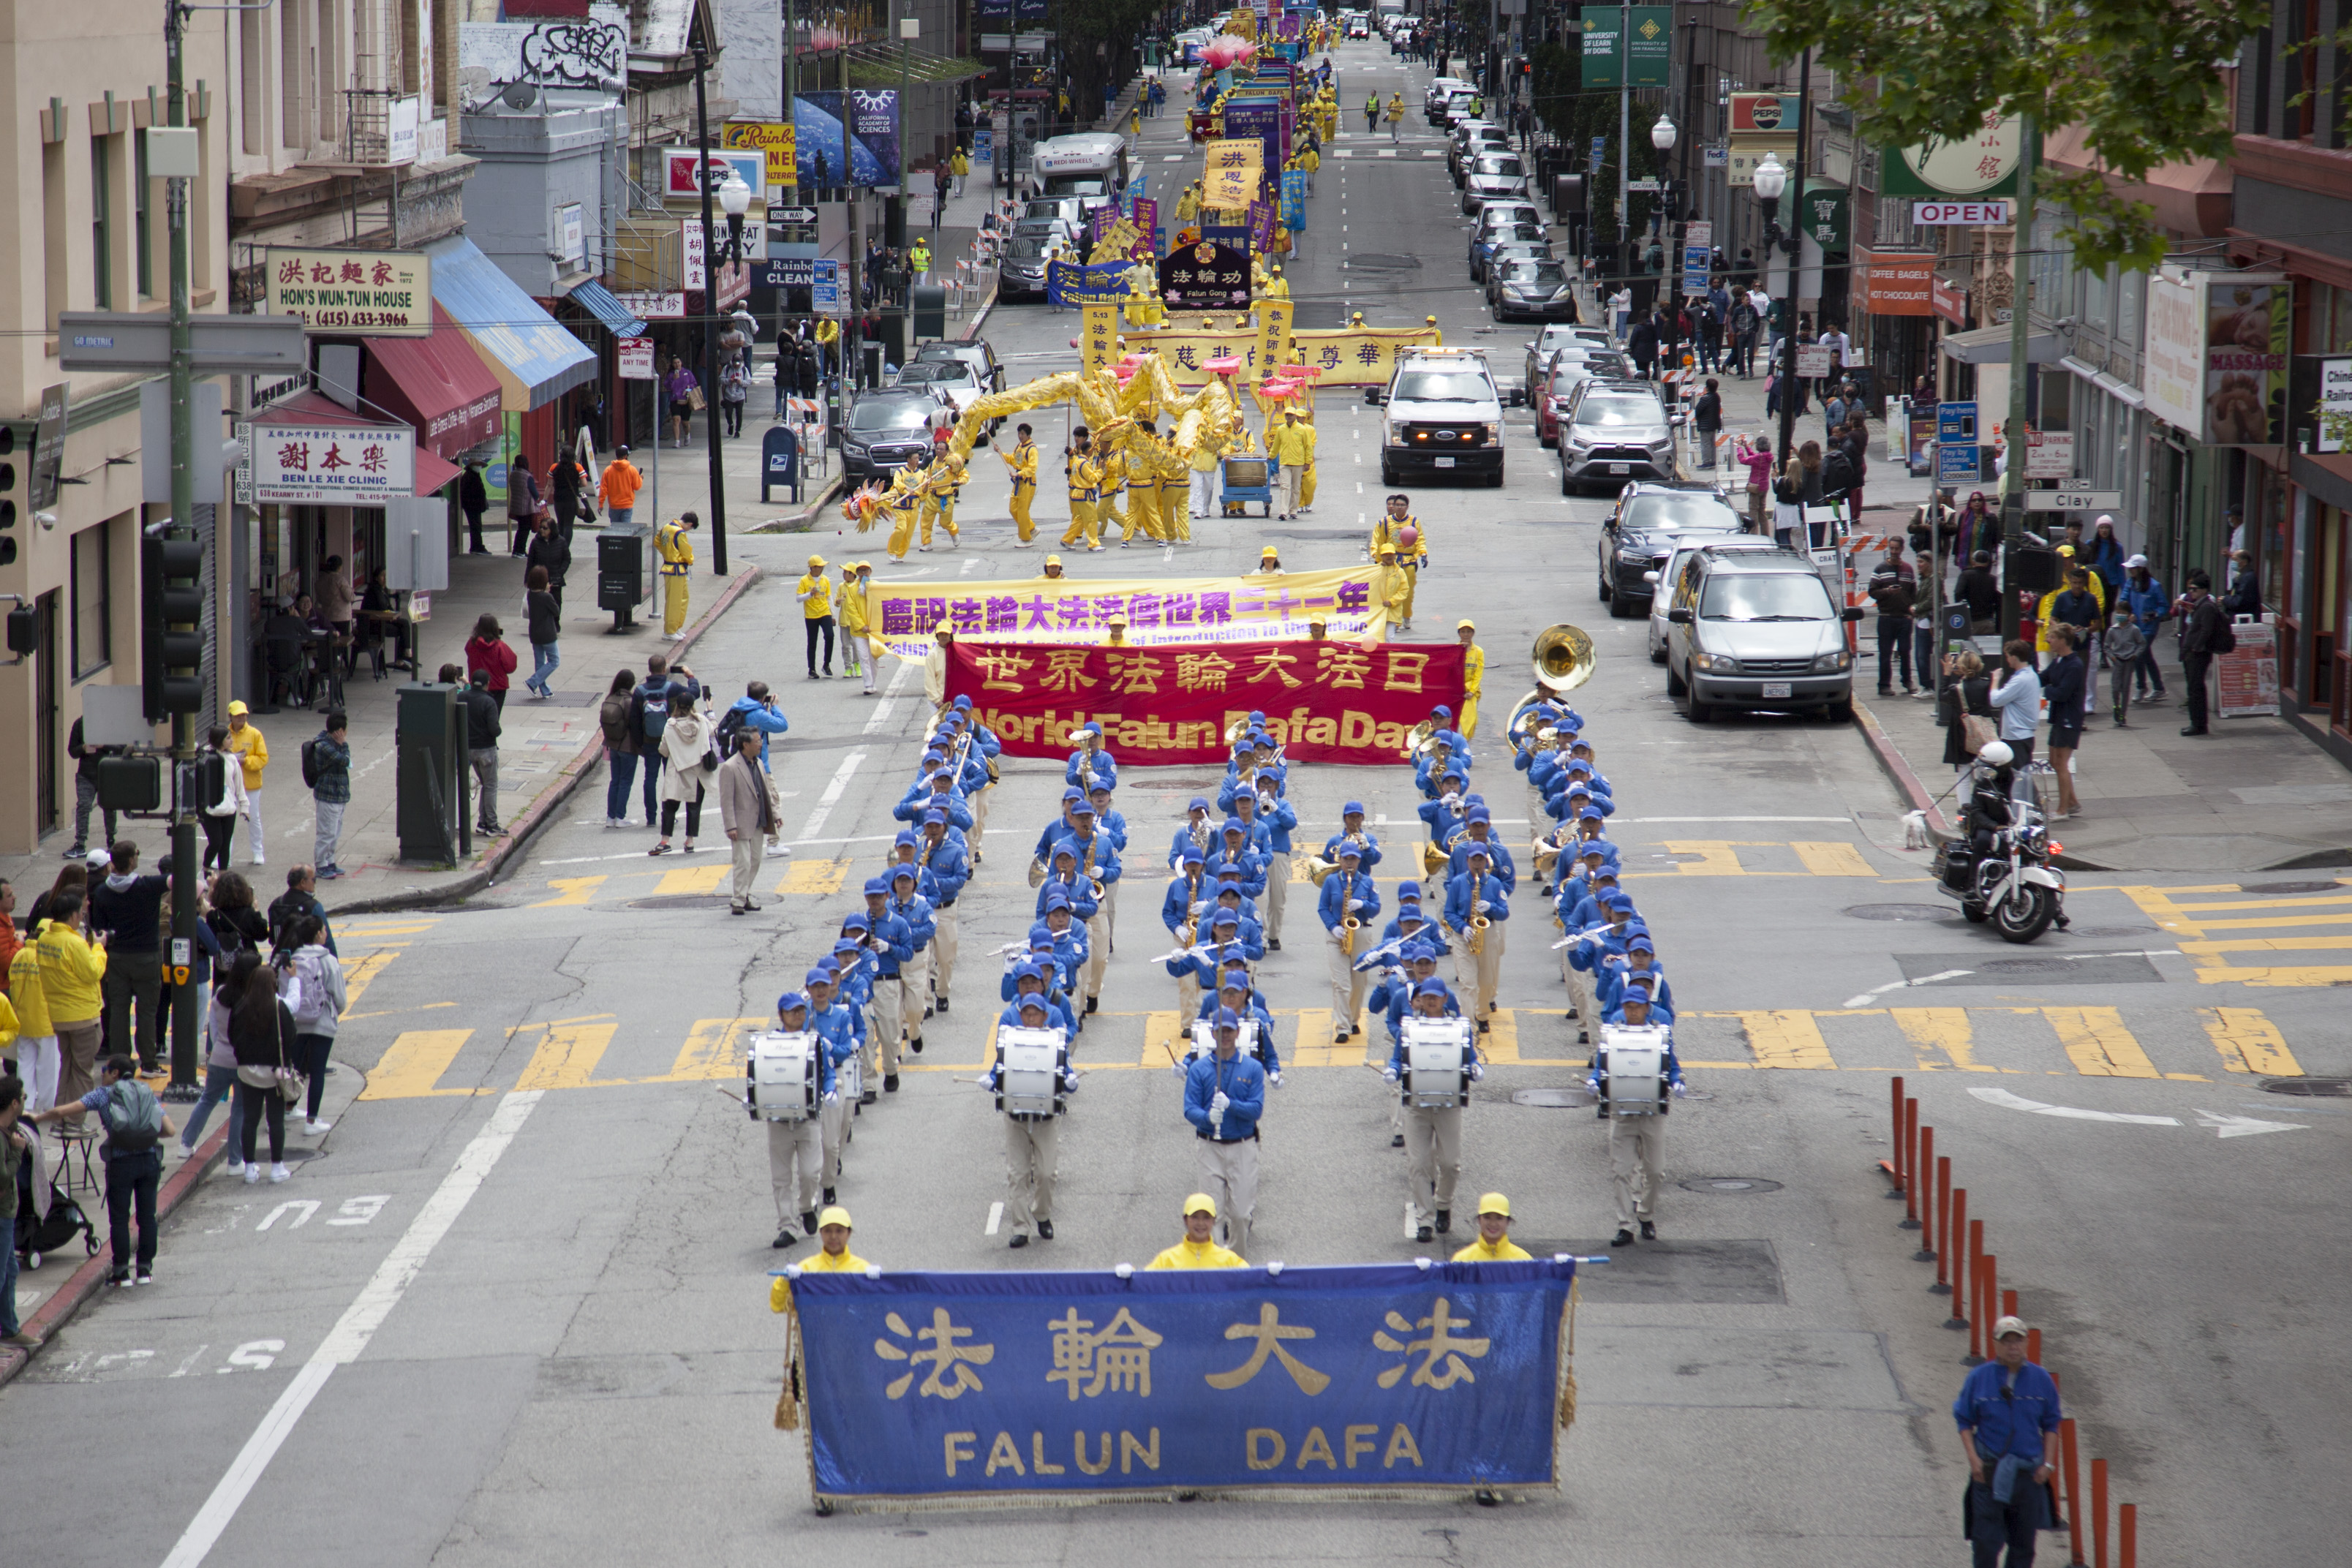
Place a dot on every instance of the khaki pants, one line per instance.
(1032, 1146)
(1636, 1140)
(1229, 1174)
(978, 820)
(1482, 972)
(78, 1057)
(943, 949)
(1097, 956)
(1348, 982)
(1109, 916)
(914, 992)
(748, 852)
(1291, 475)
(890, 1023)
(1433, 1152)
(1579, 996)
(795, 1150)
(1277, 891)
(1188, 1005)
(831, 1122)
(881, 1024)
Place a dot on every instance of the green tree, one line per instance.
(2138, 78)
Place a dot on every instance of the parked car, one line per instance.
(975, 351)
(1445, 416)
(1021, 267)
(887, 426)
(1498, 221)
(1553, 338)
(1640, 532)
(1661, 581)
(952, 379)
(1570, 368)
(1748, 628)
(1614, 430)
(1537, 290)
(1441, 93)
(1493, 177)
(1471, 140)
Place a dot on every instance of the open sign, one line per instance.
(1958, 215)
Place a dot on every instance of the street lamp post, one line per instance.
(1771, 180)
(710, 270)
(1663, 134)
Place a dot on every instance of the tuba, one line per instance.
(1562, 660)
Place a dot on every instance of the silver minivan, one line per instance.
(1757, 629)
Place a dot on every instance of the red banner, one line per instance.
(1325, 702)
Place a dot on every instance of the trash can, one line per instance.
(430, 788)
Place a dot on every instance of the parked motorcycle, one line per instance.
(2013, 885)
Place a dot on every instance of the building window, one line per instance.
(101, 227)
(141, 230)
(92, 633)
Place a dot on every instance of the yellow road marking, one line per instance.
(713, 1049)
(2249, 1042)
(819, 878)
(395, 1012)
(2269, 945)
(414, 1062)
(2277, 975)
(360, 972)
(1715, 856)
(2269, 904)
(691, 879)
(1162, 1043)
(567, 1053)
(1785, 1039)
(1940, 1029)
(571, 892)
(1502, 1041)
(1834, 861)
(2097, 1042)
(2285, 920)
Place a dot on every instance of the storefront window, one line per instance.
(2272, 527)
(92, 630)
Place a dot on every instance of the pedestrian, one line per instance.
(544, 621)
(1620, 311)
(786, 371)
(550, 553)
(649, 714)
(2064, 688)
(330, 791)
(2008, 1414)
(473, 499)
(757, 712)
(2018, 696)
(2143, 598)
(14, 1141)
(261, 1036)
(1637, 1127)
(299, 902)
(1895, 589)
(676, 551)
(1642, 346)
(685, 395)
(1789, 504)
(136, 1126)
(316, 999)
(734, 391)
(851, 596)
(486, 655)
(619, 488)
(2080, 605)
(86, 760)
(1757, 460)
(1857, 456)
(815, 592)
(524, 504)
(685, 746)
(126, 908)
(36, 1036)
(747, 814)
(566, 483)
(482, 730)
(1979, 590)
(236, 924)
(1967, 694)
(1371, 112)
(2205, 636)
(620, 746)
(1743, 322)
(1707, 418)
(73, 970)
(220, 1061)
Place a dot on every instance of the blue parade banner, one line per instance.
(1389, 1378)
(1068, 283)
(1293, 199)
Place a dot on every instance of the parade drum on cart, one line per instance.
(1029, 1066)
(780, 1075)
(1631, 1066)
(1436, 1062)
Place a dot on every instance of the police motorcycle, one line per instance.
(2000, 869)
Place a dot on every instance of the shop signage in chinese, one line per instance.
(333, 464)
(1205, 276)
(365, 293)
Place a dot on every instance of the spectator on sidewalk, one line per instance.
(330, 765)
(549, 552)
(686, 741)
(1981, 592)
(683, 389)
(2245, 595)
(734, 391)
(1978, 529)
(1967, 694)
(2064, 688)
(487, 654)
(747, 815)
(136, 1126)
(545, 623)
(126, 908)
(1642, 347)
(14, 1141)
(524, 505)
(73, 970)
(2008, 1414)
(316, 999)
(2079, 605)
(648, 714)
(482, 731)
(1743, 323)
(261, 1034)
(2018, 697)
(566, 483)
(619, 488)
(2122, 646)
(2205, 635)
(1895, 589)
(2150, 606)
(757, 711)
(333, 600)
(473, 499)
(86, 758)
(220, 1064)
(299, 902)
(1760, 485)
(36, 1036)
(1707, 419)
(613, 719)
(2105, 555)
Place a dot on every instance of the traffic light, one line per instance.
(7, 495)
(170, 645)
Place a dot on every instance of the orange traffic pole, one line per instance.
(2099, 1513)
(1910, 1165)
(1926, 1205)
(1943, 1217)
(2074, 1494)
(2128, 1546)
(1962, 1227)
(1895, 1163)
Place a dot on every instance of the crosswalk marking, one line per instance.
(2249, 1042)
(1501, 1044)
(2190, 922)
(2097, 1042)
(412, 1064)
(713, 1049)
(571, 892)
(1160, 1040)
(1833, 859)
(1942, 1030)
(1715, 856)
(568, 1053)
(691, 879)
(1786, 1039)
(821, 878)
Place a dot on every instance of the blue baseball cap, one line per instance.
(1636, 991)
(1478, 851)
(939, 816)
(1192, 856)
(935, 755)
(1347, 852)
(1198, 802)
(1236, 979)
(1481, 813)
(963, 704)
(1040, 931)
(1590, 814)
(1235, 825)
(817, 977)
(1408, 892)
(1028, 972)
(878, 885)
(1454, 773)
(1227, 1018)
(1353, 808)
(1229, 886)
(1064, 846)
(907, 838)
(1616, 902)
(1080, 808)
(903, 874)
(790, 1000)
(1441, 711)
(1221, 916)
(1432, 986)
(1056, 899)
(855, 922)
(1417, 951)
(1071, 792)
(1641, 944)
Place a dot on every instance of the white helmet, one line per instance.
(1996, 755)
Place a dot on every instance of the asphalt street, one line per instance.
(513, 1309)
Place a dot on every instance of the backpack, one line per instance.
(308, 999)
(729, 722)
(310, 764)
(2223, 640)
(1837, 474)
(134, 1116)
(653, 712)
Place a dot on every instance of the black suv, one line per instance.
(1653, 516)
(886, 428)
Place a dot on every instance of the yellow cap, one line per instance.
(816, 562)
(239, 708)
(1269, 550)
(835, 1214)
(1053, 560)
(1464, 627)
(1494, 1203)
(1200, 1203)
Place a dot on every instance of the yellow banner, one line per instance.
(1157, 612)
(1235, 174)
(1348, 356)
(1274, 335)
(1098, 338)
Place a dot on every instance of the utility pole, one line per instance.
(176, 193)
(710, 271)
(2021, 302)
(1789, 385)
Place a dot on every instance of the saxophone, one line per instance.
(1350, 928)
(1087, 865)
(1474, 937)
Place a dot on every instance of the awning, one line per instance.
(1990, 345)
(597, 300)
(436, 383)
(432, 473)
(534, 357)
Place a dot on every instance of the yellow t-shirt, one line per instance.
(819, 589)
(780, 1289)
(1291, 443)
(252, 752)
(1474, 670)
(1503, 1251)
(1190, 1254)
(853, 609)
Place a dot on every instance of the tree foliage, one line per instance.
(2140, 79)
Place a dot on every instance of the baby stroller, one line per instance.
(38, 1234)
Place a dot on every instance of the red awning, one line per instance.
(432, 473)
(437, 383)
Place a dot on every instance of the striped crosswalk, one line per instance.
(2256, 940)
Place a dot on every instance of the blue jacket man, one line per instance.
(1063, 881)
(2008, 1414)
(1351, 826)
(1639, 962)
(893, 943)
(1109, 823)
(1236, 927)
(1058, 1013)
(1195, 814)
(1234, 1079)
(1187, 888)
(1498, 858)
(1236, 995)
(1090, 761)
(943, 856)
(1243, 868)
(1474, 887)
(1071, 948)
(757, 713)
